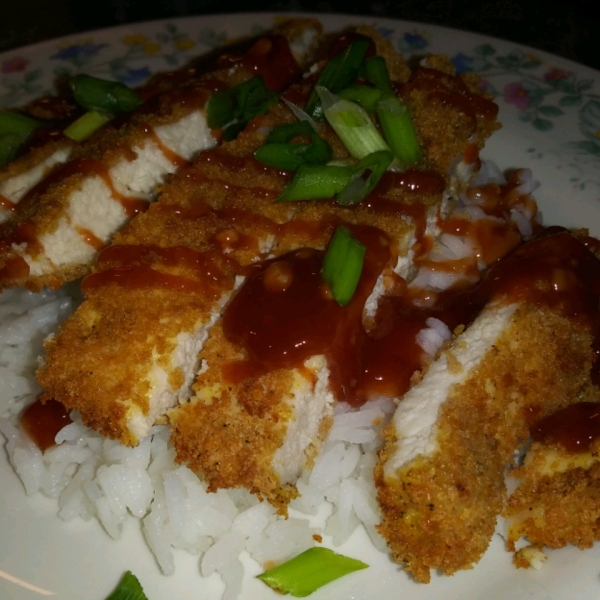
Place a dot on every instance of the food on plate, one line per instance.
(441, 477)
(218, 360)
(556, 501)
(222, 209)
(68, 216)
(129, 588)
(309, 571)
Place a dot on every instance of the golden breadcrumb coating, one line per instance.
(224, 203)
(557, 501)
(439, 511)
(230, 432)
(113, 143)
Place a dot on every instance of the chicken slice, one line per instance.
(441, 475)
(117, 173)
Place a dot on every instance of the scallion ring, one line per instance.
(339, 73)
(15, 122)
(399, 132)
(375, 71)
(366, 175)
(129, 588)
(309, 571)
(316, 182)
(280, 153)
(230, 109)
(105, 96)
(81, 129)
(343, 264)
(365, 96)
(352, 124)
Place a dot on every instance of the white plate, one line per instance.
(550, 108)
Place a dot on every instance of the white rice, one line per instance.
(95, 478)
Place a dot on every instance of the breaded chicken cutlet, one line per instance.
(258, 429)
(441, 475)
(223, 205)
(557, 498)
(60, 228)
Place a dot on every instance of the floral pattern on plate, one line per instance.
(549, 95)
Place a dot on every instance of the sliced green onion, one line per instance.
(14, 122)
(102, 95)
(375, 70)
(343, 264)
(233, 130)
(283, 134)
(238, 104)
(352, 124)
(86, 125)
(282, 156)
(316, 182)
(398, 129)
(309, 571)
(15, 129)
(366, 175)
(366, 97)
(339, 73)
(129, 588)
(279, 153)
(10, 143)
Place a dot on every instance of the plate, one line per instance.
(550, 109)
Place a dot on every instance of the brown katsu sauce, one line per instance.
(140, 266)
(90, 238)
(574, 427)
(271, 57)
(175, 159)
(413, 180)
(41, 422)
(7, 204)
(284, 314)
(554, 270)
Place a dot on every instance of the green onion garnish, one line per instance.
(279, 153)
(15, 128)
(309, 571)
(343, 264)
(397, 126)
(352, 124)
(235, 106)
(129, 588)
(14, 122)
(375, 71)
(351, 183)
(10, 143)
(316, 182)
(102, 95)
(339, 73)
(366, 97)
(86, 125)
(366, 175)
(283, 134)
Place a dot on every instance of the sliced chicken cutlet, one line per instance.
(258, 422)
(117, 173)
(557, 496)
(441, 475)
(20, 176)
(224, 202)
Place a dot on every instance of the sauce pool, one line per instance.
(41, 422)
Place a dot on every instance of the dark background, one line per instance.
(569, 28)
